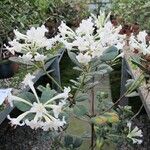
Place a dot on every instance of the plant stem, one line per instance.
(92, 105)
(115, 103)
(51, 78)
(80, 87)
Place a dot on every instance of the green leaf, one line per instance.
(73, 58)
(104, 67)
(129, 83)
(80, 110)
(136, 60)
(135, 84)
(101, 72)
(28, 97)
(77, 142)
(77, 68)
(81, 97)
(47, 94)
(99, 143)
(108, 117)
(68, 140)
(133, 94)
(41, 88)
(109, 54)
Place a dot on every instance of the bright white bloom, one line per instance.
(120, 45)
(39, 57)
(81, 43)
(63, 95)
(37, 36)
(141, 36)
(86, 27)
(17, 121)
(92, 37)
(39, 109)
(28, 79)
(41, 112)
(53, 124)
(109, 35)
(15, 46)
(19, 36)
(31, 43)
(65, 30)
(56, 108)
(84, 58)
(135, 134)
(51, 42)
(27, 57)
(33, 124)
(140, 43)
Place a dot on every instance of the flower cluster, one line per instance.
(91, 38)
(140, 43)
(134, 134)
(31, 43)
(45, 114)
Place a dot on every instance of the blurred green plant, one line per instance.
(23, 14)
(133, 11)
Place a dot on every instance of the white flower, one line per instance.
(37, 36)
(135, 134)
(39, 109)
(51, 42)
(56, 108)
(19, 36)
(41, 112)
(88, 43)
(63, 95)
(141, 37)
(33, 124)
(27, 57)
(28, 79)
(140, 43)
(81, 43)
(53, 124)
(120, 45)
(86, 27)
(83, 58)
(39, 57)
(65, 30)
(15, 46)
(17, 121)
(32, 41)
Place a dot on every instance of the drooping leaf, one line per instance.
(73, 58)
(68, 140)
(28, 97)
(129, 83)
(104, 67)
(47, 94)
(137, 61)
(109, 54)
(77, 142)
(80, 110)
(108, 117)
(133, 94)
(77, 68)
(135, 84)
(81, 97)
(41, 88)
